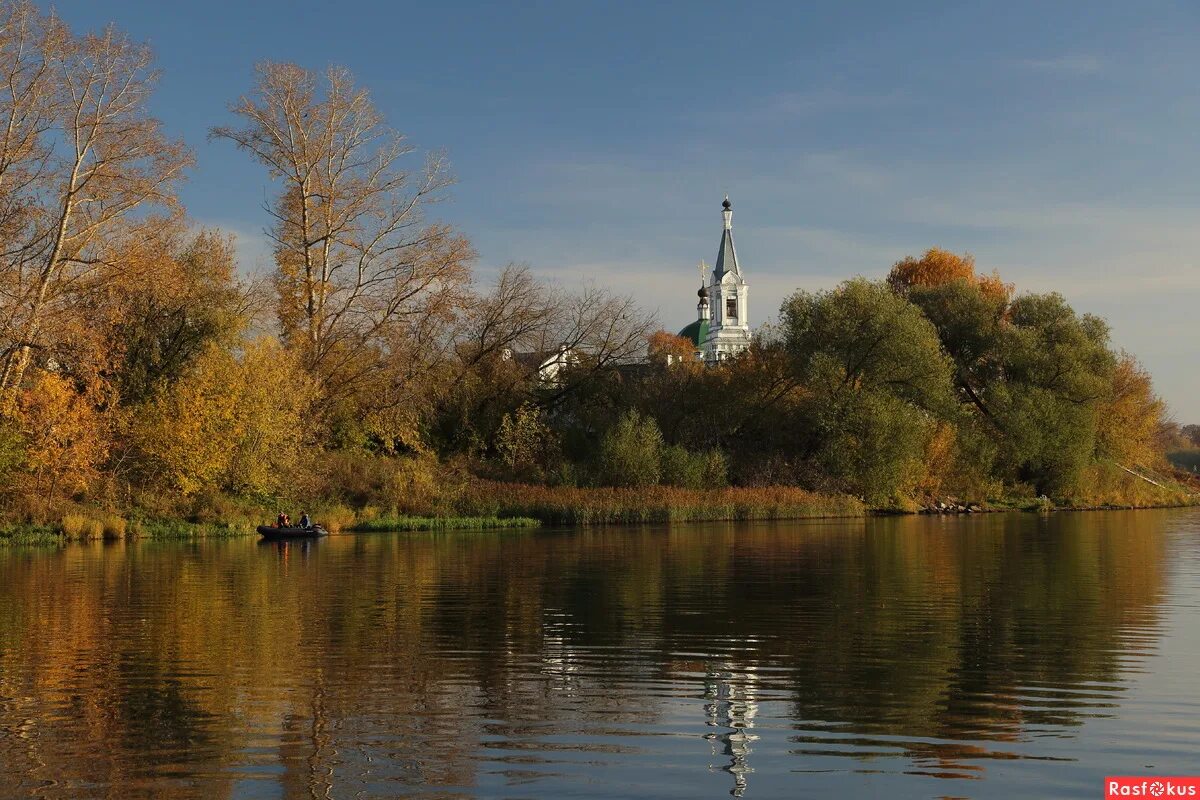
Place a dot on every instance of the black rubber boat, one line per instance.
(294, 532)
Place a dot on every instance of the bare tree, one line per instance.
(363, 280)
(79, 153)
(595, 330)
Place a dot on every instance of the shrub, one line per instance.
(1043, 504)
(212, 507)
(524, 439)
(414, 485)
(335, 518)
(716, 468)
(93, 529)
(73, 525)
(631, 452)
(681, 468)
(113, 527)
(29, 536)
(566, 473)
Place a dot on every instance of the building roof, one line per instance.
(697, 332)
(540, 359)
(727, 256)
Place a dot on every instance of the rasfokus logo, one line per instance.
(1151, 786)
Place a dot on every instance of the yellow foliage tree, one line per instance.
(235, 421)
(1131, 417)
(65, 438)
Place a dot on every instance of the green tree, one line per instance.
(1057, 369)
(524, 439)
(631, 452)
(875, 379)
(1032, 372)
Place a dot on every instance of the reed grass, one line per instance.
(72, 525)
(182, 530)
(607, 506)
(114, 527)
(390, 524)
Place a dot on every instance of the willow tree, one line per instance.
(79, 152)
(365, 284)
(876, 382)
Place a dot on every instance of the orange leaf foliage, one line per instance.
(938, 267)
(664, 345)
(65, 437)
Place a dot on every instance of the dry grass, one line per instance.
(114, 527)
(1108, 486)
(72, 525)
(603, 506)
(390, 524)
(335, 518)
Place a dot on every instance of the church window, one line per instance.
(731, 307)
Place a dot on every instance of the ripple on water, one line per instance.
(986, 657)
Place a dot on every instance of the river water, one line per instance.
(996, 656)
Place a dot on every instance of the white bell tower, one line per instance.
(728, 292)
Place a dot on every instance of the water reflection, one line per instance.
(685, 661)
(732, 706)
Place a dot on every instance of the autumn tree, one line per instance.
(939, 267)
(523, 440)
(1191, 433)
(1131, 418)
(227, 424)
(366, 285)
(64, 438)
(486, 382)
(520, 320)
(668, 349)
(79, 153)
(178, 293)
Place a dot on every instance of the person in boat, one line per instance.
(281, 520)
(305, 522)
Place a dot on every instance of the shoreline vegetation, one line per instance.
(514, 507)
(153, 387)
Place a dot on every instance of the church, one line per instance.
(722, 326)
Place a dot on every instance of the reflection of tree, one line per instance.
(379, 664)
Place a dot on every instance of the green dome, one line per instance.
(697, 332)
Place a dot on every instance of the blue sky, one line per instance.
(1056, 142)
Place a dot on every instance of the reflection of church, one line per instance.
(732, 704)
(722, 326)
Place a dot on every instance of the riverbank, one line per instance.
(475, 505)
(183, 530)
(405, 524)
(493, 505)
(570, 505)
